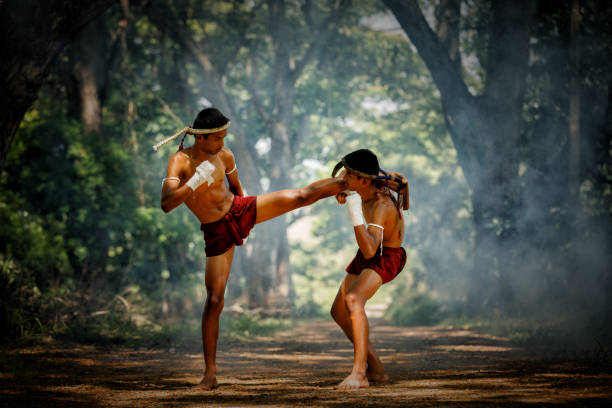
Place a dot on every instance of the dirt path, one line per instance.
(429, 366)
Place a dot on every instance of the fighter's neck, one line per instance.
(198, 155)
(368, 194)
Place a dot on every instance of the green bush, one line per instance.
(418, 310)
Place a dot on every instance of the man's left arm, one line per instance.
(231, 172)
(368, 239)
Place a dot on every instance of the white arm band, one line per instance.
(171, 178)
(231, 171)
(353, 206)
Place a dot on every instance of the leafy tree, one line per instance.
(32, 35)
(508, 119)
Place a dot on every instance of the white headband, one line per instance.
(191, 131)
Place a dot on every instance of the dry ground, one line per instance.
(429, 367)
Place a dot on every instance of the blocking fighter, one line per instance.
(376, 216)
(196, 176)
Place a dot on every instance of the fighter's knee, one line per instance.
(354, 302)
(214, 301)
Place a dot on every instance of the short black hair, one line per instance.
(363, 160)
(209, 118)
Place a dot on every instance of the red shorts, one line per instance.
(230, 230)
(388, 265)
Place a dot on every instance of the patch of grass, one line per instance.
(238, 326)
(115, 329)
(310, 309)
(517, 330)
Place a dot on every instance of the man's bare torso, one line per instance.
(392, 237)
(210, 203)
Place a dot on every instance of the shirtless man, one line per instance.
(379, 259)
(196, 177)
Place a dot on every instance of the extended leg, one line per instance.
(217, 272)
(355, 298)
(375, 371)
(276, 203)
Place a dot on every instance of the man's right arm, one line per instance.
(173, 194)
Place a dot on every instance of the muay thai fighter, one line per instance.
(376, 216)
(196, 176)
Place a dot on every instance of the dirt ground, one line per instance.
(428, 366)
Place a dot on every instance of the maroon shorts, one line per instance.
(388, 265)
(230, 230)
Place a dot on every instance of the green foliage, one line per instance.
(235, 326)
(417, 311)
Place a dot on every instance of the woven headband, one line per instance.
(385, 176)
(342, 163)
(191, 131)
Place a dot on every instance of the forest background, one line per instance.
(498, 114)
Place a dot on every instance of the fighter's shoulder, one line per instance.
(227, 156)
(180, 158)
(384, 205)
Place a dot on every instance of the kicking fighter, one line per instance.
(380, 257)
(196, 176)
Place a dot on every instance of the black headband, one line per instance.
(385, 176)
(342, 163)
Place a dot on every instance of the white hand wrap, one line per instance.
(202, 175)
(353, 206)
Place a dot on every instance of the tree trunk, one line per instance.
(574, 112)
(32, 34)
(272, 262)
(484, 129)
(270, 258)
(89, 71)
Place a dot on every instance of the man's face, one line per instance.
(213, 143)
(352, 180)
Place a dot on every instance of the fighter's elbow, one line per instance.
(369, 253)
(166, 208)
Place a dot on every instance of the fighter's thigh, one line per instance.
(276, 203)
(366, 284)
(218, 269)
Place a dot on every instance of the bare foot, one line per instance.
(207, 384)
(377, 376)
(352, 382)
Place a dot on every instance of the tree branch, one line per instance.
(443, 70)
